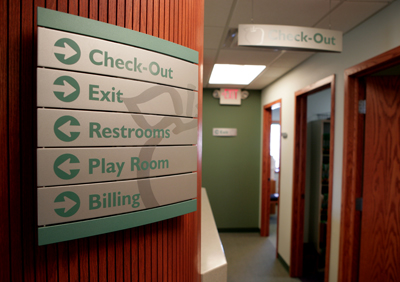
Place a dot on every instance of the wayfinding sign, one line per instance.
(77, 202)
(74, 90)
(60, 128)
(85, 165)
(290, 37)
(116, 125)
(70, 51)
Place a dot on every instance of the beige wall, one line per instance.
(378, 34)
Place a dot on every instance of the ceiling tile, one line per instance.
(282, 12)
(291, 59)
(212, 37)
(256, 57)
(216, 12)
(350, 14)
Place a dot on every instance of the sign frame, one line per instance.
(58, 21)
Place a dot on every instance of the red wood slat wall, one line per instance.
(163, 251)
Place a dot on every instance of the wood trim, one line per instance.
(299, 169)
(266, 167)
(279, 183)
(299, 174)
(330, 191)
(353, 147)
(266, 171)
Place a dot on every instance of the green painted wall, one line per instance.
(231, 165)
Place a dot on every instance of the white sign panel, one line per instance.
(297, 37)
(73, 90)
(70, 51)
(77, 202)
(224, 131)
(84, 165)
(66, 128)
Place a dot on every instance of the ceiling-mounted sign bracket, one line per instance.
(228, 96)
(290, 37)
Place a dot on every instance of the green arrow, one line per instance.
(65, 166)
(67, 204)
(64, 128)
(67, 51)
(66, 88)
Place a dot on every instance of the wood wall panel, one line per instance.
(163, 251)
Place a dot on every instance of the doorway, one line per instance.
(300, 174)
(370, 233)
(270, 169)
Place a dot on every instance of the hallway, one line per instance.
(252, 258)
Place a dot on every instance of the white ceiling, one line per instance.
(223, 15)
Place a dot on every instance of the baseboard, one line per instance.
(283, 262)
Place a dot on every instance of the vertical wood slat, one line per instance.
(112, 12)
(119, 256)
(27, 142)
(154, 252)
(129, 14)
(156, 17)
(147, 254)
(83, 259)
(149, 17)
(160, 248)
(93, 9)
(73, 7)
(110, 257)
(5, 247)
(136, 15)
(161, 29)
(159, 251)
(102, 11)
(171, 20)
(141, 254)
(93, 260)
(63, 260)
(83, 8)
(143, 16)
(127, 255)
(102, 257)
(13, 137)
(165, 250)
(120, 13)
(41, 252)
(135, 254)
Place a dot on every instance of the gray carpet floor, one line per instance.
(251, 258)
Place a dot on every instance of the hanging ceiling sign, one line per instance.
(290, 37)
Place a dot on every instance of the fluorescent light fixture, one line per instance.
(234, 74)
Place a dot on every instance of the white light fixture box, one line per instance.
(234, 74)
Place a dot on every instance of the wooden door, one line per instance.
(380, 226)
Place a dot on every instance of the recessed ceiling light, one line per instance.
(234, 74)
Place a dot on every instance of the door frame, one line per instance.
(353, 153)
(299, 174)
(266, 171)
